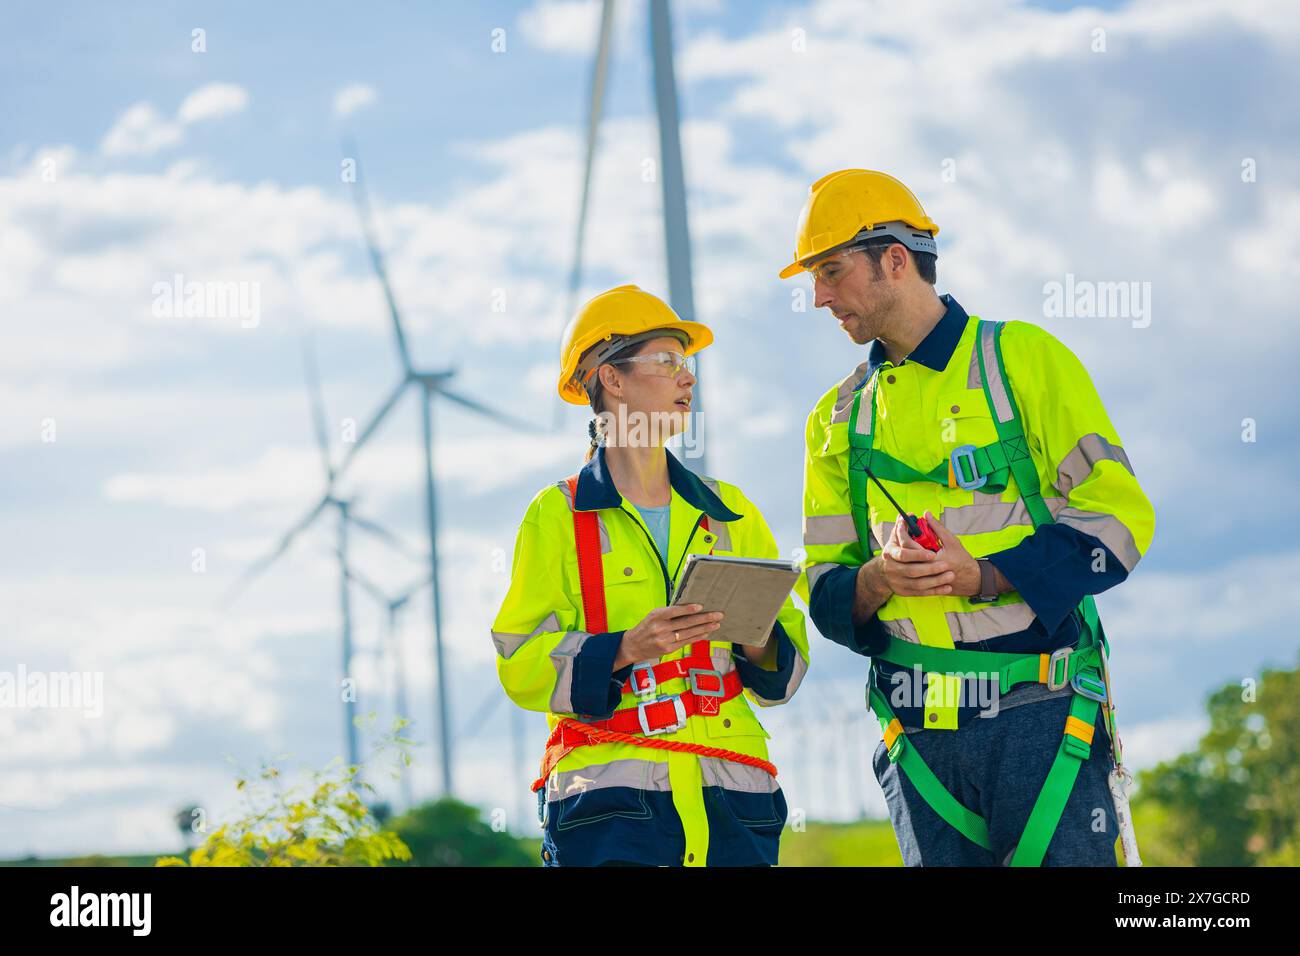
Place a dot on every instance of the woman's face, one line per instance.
(649, 405)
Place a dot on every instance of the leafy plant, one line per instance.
(325, 823)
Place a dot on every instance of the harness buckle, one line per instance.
(679, 711)
(635, 680)
(966, 454)
(1092, 688)
(693, 678)
(1059, 656)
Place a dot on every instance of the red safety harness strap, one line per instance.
(591, 571)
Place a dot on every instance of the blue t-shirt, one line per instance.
(657, 520)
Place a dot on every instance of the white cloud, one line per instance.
(1148, 744)
(140, 131)
(561, 26)
(352, 98)
(212, 101)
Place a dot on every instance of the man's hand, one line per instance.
(964, 570)
(910, 570)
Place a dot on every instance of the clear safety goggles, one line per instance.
(834, 267)
(666, 364)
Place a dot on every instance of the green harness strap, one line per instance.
(1052, 798)
(1009, 454)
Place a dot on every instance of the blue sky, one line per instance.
(125, 159)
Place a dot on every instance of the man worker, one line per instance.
(988, 670)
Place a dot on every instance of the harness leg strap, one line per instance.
(1076, 745)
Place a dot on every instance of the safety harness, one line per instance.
(707, 688)
(1082, 667)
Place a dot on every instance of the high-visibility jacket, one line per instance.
(610, 802)
(917, 414)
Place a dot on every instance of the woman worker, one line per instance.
(655, 757)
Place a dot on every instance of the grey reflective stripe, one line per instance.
(845, 395)
(564, 490)
(507, 643)
(562, 657)
(798, 669)
(997, 388)
(989, 622)
(720, 529)
(815, 571)
(731, 775)
(880, 532)
(1107, 529)
(901, 628)
(637, 774)
(967, 626)
(1078, 464)
(723, 532)
(723, 662)
(605, 547)
(973, 379)
(866, 396)
(829, 529)
(993, 516)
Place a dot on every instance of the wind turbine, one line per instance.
(431, 384)
(677, 238)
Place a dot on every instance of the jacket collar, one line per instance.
(935, 349)
(596, 489)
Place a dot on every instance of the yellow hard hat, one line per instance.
(609, 319)
(841, 205)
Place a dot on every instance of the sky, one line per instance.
(149, 457)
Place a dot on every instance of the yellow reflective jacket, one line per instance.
(925, 407)
(619, 802)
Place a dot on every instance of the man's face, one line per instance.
(857, 292)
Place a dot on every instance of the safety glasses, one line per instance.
(834, 267)
(666, 364)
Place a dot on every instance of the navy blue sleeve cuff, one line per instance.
(770, 685)
(830, 605)
(597, 687)
(1053, 569)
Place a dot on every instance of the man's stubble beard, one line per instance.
(866, 328)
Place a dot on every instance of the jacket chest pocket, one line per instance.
(963, 418)
(628, 595)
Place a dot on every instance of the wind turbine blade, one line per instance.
(595, 107)
(484, 711)
(415, 589)
(258, 567)
(370, 587)
(502, 417)
(317, 400)
(375, 420)
(362, 204)
(388, 537)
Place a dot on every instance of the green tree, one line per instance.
(1232, 801)
(447, 832)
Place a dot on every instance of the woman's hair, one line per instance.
(596, 429)
(599, 424)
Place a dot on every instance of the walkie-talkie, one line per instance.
(918, 528)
